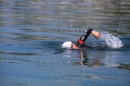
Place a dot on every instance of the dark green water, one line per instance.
(31, 32)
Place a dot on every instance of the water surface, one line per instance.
(31, 32)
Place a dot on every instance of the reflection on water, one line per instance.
(112, 59)
(31, 32)
(85, 59)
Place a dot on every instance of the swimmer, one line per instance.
(81, 40)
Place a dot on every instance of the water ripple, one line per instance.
(31, 32)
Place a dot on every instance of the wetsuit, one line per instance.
(82, 39)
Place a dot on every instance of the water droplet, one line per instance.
(111, 41)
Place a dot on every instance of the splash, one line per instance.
(111, 41)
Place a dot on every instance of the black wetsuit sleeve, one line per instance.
(82, 39)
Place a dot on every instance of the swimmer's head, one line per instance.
(69, 45)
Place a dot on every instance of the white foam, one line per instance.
(111, 41)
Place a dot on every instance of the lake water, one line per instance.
(31, 32)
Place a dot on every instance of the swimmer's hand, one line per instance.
(96, 34)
